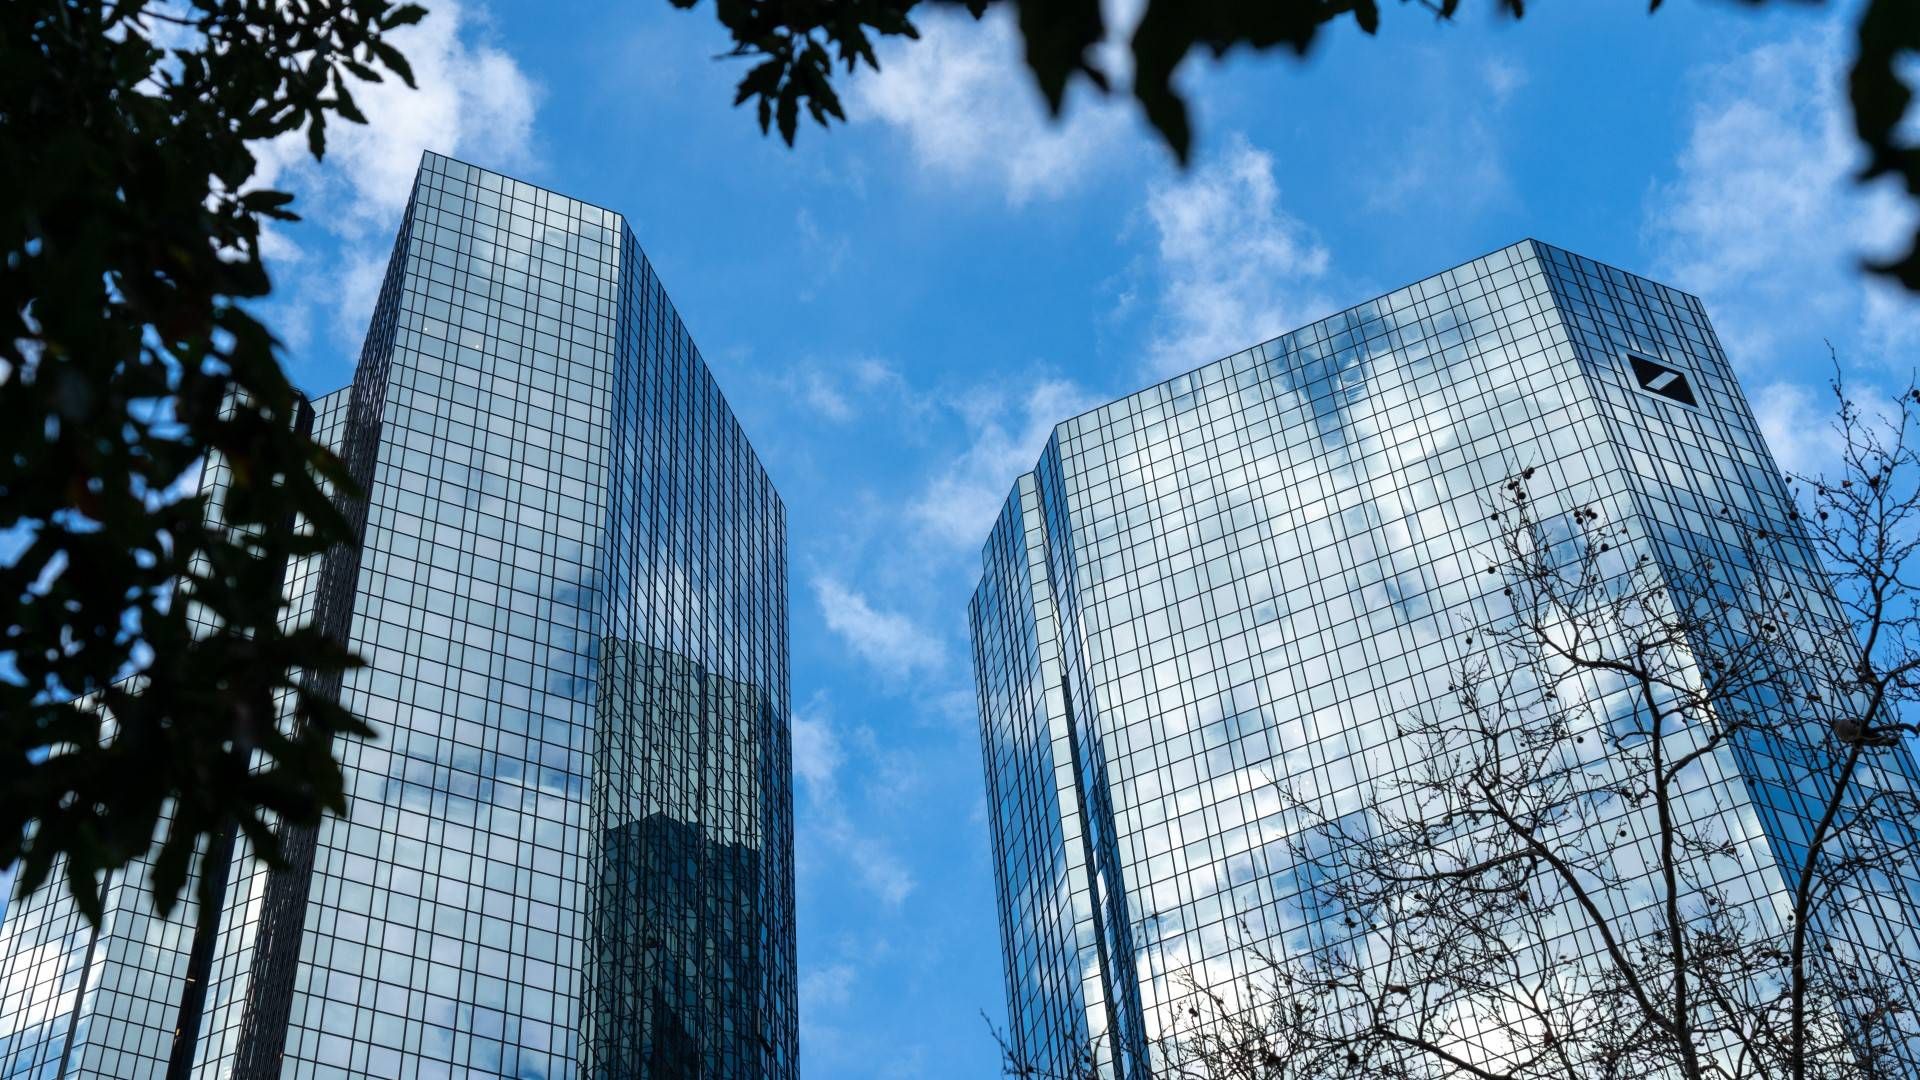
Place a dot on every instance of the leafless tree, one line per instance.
(1654, 827)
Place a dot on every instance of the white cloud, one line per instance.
(870, 374)
(970, 113)
(826, 986)
(356, 284)
(1455, 159)
(1504, 78)
(816, 746)
(473, 101)
(826, 252)
(823, 398)
(1797, 424)
(842, 391)
(828, 830)
(1235, 268)
(880, 871)
(958, 507)
(887, 640)
(1763, 216)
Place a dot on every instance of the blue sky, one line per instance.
(900, 309)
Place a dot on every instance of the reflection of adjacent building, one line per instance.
(675, 965)
(1236, 579)
(550, 471)
(679, 920)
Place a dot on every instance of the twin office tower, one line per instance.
(569, 851)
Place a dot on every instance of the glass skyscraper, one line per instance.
(1232, 581)
(568, 851)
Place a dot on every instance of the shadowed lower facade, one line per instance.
(1231, 582)
(568, 851)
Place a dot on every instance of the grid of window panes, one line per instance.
(690, 950)
(42, 951)
(619, 507)
(259, 997)
(110, 999)
(1056, 986)
(551, 477)
(442, 925)
(1237, 578)
(121, 1025)
(1685, 465)
(234, 957)
(109, 1004)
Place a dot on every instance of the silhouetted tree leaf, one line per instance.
(1889, 34)
(144, 670)
(1059, 35)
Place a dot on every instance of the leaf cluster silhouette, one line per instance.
(150, 693)
(797, 44)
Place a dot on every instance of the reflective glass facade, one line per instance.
(568, 852)
(1232, 581)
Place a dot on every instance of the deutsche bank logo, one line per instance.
(1657, 378)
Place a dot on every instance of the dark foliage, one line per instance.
(131, 245)
(798, 42)
(1889, 34)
